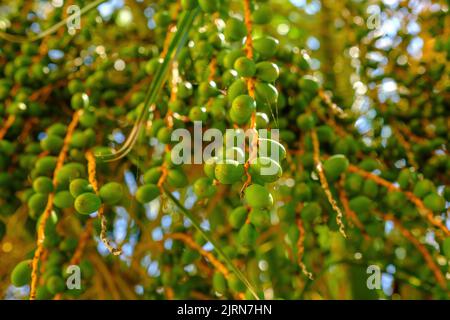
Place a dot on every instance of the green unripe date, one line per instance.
(235, 29)
(152, 175)
(309, 84)
(204, 188)
(43, 185)
(52, 143)
(55, 284)
(423, 187)
(242, 108)
(164, 135)
(258, 196)
(63, 200)
(21, 274)
(265, 169)
(260, 218)
(245, 67)
(396, 200)
(37, 203)
(266, 94)
(80, 101)
(237, 88)
(111, 193)
(267, 71)
(247, 235)
(434, 202)
(266, 46)
(209, 167)
(177, 178)
(238, 217)
(80, 186)
(198, 114)
(46, 165)
(147, 193)
(87, 203)
(228, 171)
(335, 166)
(361, 204)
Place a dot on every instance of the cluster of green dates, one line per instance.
(70, 185)
(175, 178)
(283, 96)
(56, 276)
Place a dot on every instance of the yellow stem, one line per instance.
(324, 183)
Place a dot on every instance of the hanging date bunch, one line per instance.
(206, 149)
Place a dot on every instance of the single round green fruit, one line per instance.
(258, 196)
(361, 204)
(309, 84)
(164, 135)
(80, 186)
(242, 108)
(260, 218)
(272, 149)
(334, 166)
(228, 171)
(204, 188)
(245, 67)
(396, 200)
(111, 193)
(198, 114)
(266, 95)
(247, 235)
(147, 193)
(52, 143)
(423, 187)
(267, 71)
(235, 29)
(43, 185)
(21, 274)
(209, 167)
(238, 217)
(152, 175)
(55, 284)
(46, 165)
(87, 203)
(79, 101)
(37, 203)
(63, 200)
(177, 178)
(434, 202)
(265, 169)
(266, 46)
